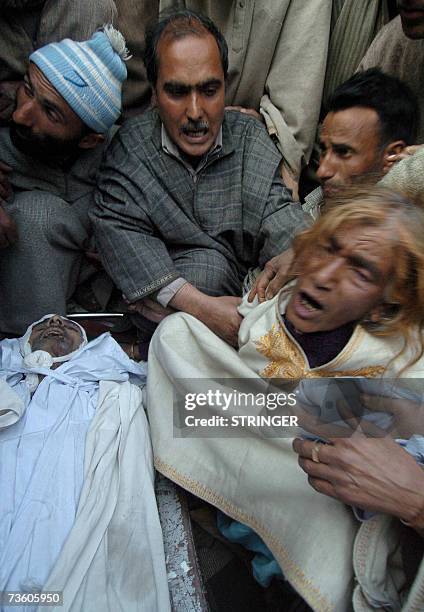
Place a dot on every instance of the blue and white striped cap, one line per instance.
(88, 75)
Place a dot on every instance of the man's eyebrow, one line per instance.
(342, 145)
(209, 83)
(176, 85)
(44, 101)
(52, 106)
(172, 86)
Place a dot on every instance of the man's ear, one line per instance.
(91, 140)
(390, 152)
(154, 98)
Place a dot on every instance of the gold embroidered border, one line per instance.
(287, 361)
(291, 571)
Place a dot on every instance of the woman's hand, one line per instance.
(375, 474)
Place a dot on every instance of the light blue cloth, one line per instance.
(42, 455)
(264, 566)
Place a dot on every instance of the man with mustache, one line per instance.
(398, 49)
(49, 156)
(190, 195)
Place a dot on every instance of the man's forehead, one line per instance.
(351, 125)
(42, 85)
(189, 60)
(45, 90)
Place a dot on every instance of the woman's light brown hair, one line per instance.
(403, 308)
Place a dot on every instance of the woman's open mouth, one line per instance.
(306, 306)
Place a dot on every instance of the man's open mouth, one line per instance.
(197, 129)
(196, 133)
(53, 333)
(308, 302)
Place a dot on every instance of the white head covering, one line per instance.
(43, 358)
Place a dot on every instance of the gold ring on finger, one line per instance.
(315, 451)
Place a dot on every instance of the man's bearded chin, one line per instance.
(56, 346)
(47, 148)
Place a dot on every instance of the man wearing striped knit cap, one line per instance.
(65, 112)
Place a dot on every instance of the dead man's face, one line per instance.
(56, 335)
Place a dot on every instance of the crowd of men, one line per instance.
(158, 258)
(186, 171)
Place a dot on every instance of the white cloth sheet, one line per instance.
(62, 455)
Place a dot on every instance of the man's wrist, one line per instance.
(414, 517)
(191, 300)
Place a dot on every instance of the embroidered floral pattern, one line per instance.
(287, 361)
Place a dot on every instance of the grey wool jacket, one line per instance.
(152, 215)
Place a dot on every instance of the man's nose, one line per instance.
(326, 169)
(326, 274)
(194, 108)
(56, 320)
(24, 113)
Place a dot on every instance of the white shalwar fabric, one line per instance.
(77, 505)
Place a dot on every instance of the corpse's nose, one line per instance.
(56, 320)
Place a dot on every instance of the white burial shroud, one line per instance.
(77, 506)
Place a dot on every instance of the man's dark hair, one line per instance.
(178, 25)
(393, 101)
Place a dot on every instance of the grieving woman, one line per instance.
(354, 307)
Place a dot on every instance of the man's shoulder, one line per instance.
(250, 134)
(242, 124)
(139, 126)
(389, 42)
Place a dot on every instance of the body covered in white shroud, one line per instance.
(77, 510)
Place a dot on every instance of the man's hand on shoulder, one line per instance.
(405, 153)
(8, 229)
(246, 111)
(220, 314)
(272, 278)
